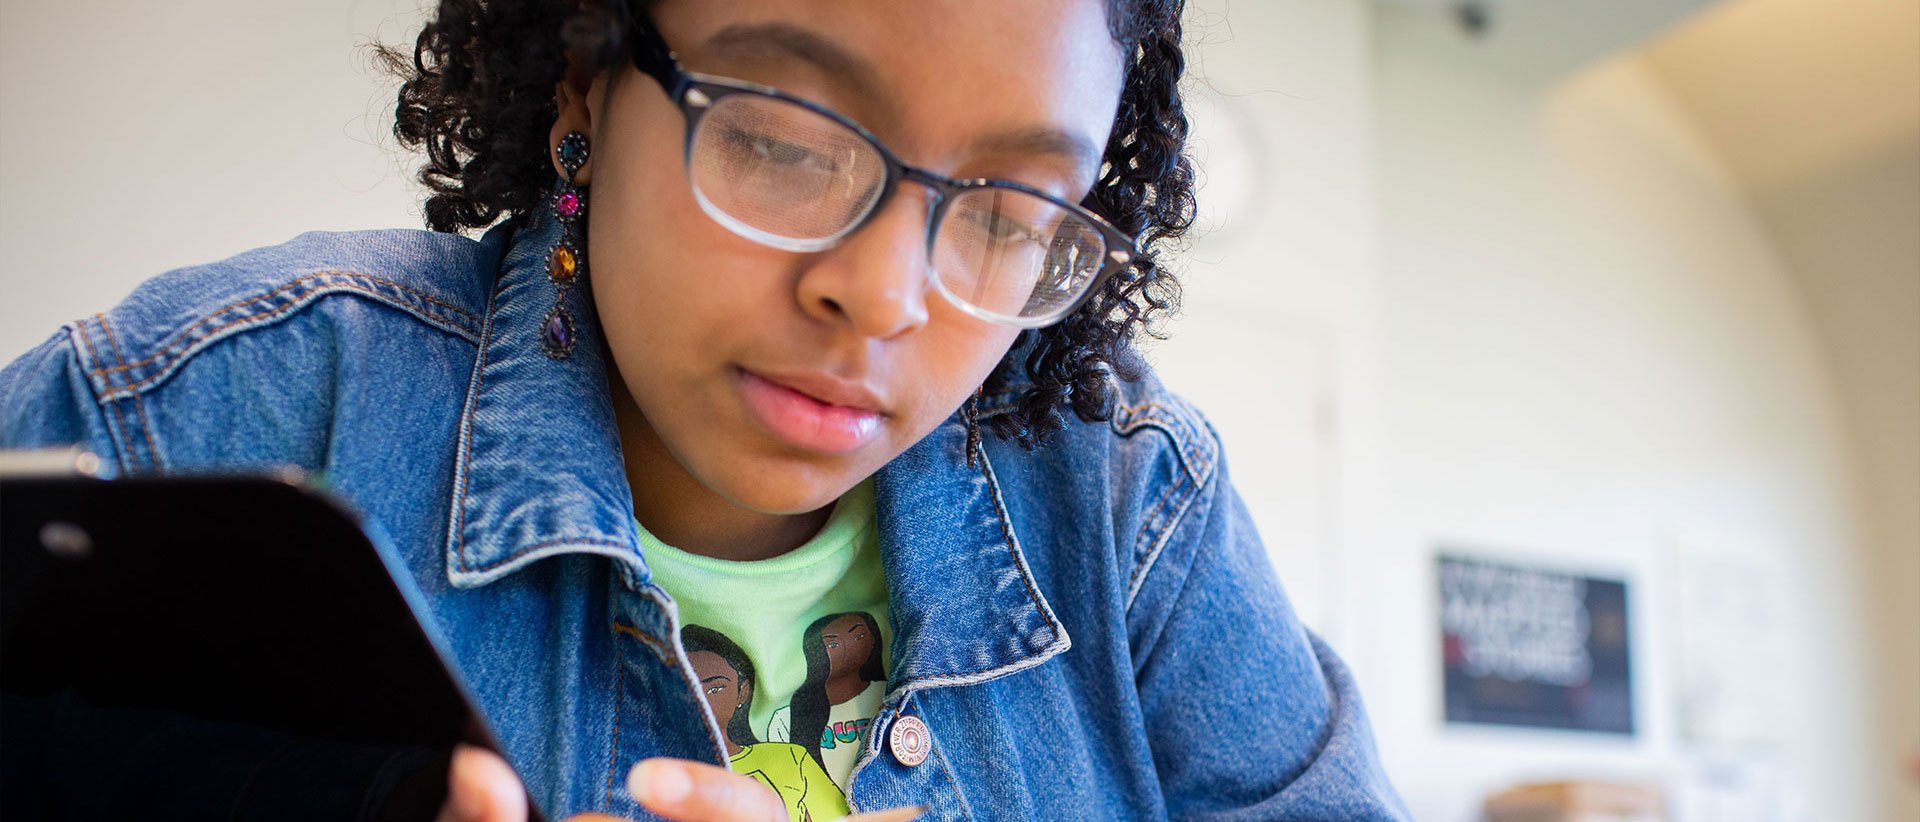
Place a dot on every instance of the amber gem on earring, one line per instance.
(562, 264)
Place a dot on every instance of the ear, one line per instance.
(575, 113)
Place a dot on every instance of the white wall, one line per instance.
(1272, 341)
(1593, 357)
(1854, 238)
(136, 137)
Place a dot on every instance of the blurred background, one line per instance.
(1567, 351)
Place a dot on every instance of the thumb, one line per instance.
(698, 792)
(481, 787)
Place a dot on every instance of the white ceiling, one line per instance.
(1543, 40)
(1789, 89)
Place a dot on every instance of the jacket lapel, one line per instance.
(964, 605)
(538, 470)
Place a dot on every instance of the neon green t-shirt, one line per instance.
(813, 624)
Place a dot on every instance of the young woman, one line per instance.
(784, 308)
(846, 673)
(726, 676)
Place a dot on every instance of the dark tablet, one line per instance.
(214, 648)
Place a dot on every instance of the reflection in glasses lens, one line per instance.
(783, 170)
(791, 177)
(1011, 254)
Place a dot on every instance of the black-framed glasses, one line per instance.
(798, 176)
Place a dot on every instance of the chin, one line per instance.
(784, 488)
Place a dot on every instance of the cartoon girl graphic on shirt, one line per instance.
(726, 679)
(846, 679)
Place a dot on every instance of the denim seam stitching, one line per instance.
(1013, 549)
(965, 674)
(529, 549)
(614, 551)
(146, 427)
(81, 360)
(1019, 663)
(259, 319)
(653, 643)
(465, 464)
(951, 782)
(1196, 461)
(186, 339)
(1152, 560)
(1179, 429)
(619, 710)
(116, 421)
(1153, 534)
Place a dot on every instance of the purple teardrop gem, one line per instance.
(559, 332)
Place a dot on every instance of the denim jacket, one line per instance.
(1088, 630)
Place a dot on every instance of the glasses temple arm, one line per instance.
(652, 57)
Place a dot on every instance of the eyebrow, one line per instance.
(778, 39)
(1041, 140)
(721, 677)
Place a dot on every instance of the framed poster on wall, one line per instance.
(1534, 647)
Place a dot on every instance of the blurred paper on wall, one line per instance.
(1730, 648)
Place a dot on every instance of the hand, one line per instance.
(482, 788)
(698, 792)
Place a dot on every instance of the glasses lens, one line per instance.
(781, 170)
(1015, 255)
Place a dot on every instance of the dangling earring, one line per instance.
(972, 414)
(566, 260)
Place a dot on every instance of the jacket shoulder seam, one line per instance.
(123, 379)
(139, 407)
(1197, 449)
(113, 414)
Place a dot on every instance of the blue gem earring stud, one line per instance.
(566, 260)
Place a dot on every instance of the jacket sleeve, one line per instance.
(46, 401)
(1249, 715)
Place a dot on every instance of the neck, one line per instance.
(682, 512)
(844, 687)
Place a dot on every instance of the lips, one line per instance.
(828, 390)
(813, 412)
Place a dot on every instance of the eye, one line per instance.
(714, 689)
(1002, 229)
(765, 149)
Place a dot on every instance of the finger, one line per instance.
(698, 792)
(481, 787)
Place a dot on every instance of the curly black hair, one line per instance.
(478, 97)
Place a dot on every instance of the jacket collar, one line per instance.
(965, 607)
(538, 470)
(538, 473)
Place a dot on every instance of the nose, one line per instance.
(875, 281)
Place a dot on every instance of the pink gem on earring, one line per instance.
(569, 204)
